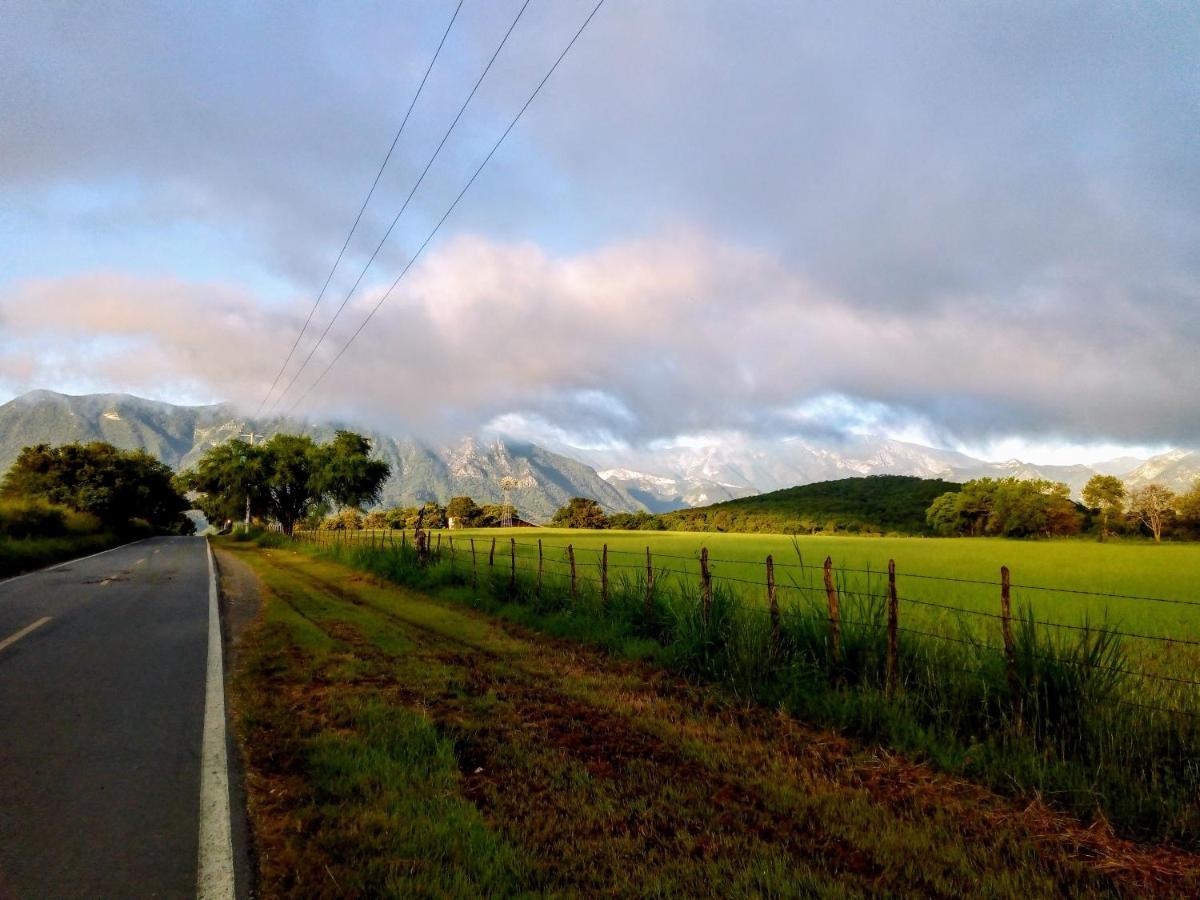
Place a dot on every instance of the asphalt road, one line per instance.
(101, 718)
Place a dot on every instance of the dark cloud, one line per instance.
(981, 218)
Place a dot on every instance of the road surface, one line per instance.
(102, 697)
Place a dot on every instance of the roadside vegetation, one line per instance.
(61, 502)
(1080, 727)
(402, 745)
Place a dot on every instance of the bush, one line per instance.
(22, 519)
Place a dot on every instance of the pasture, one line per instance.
(932, 570)
(1090, 697)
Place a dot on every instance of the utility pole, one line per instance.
(251, 435)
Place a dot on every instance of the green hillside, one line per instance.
(877, 503)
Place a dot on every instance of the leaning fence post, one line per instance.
(1010, 652)
(705, 586)
(512, 565)
(649, 586)
(492, 555)
(773, 604)
(571, 559)
(474, 570)
(893, 626)
(835, 613)
(604, 576)
(539, 577)
(452, 554)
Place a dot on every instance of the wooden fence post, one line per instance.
(474, 569)
(649, 585)
(773, 604)
(1010, 651)
(893, 614)
(492, 555)
(835, 613)
(439, 545)
(512, 566)
(453, 557)
(539, 575)
(604, 576)
(571, 559)
(705, 587)
(404, 539)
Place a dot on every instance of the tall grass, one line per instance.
(1077, 730)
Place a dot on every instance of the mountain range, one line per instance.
(735, 467)
(179, 435)
(657, 480)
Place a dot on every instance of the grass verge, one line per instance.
(26, 554)
(397, 745)
(1079, 731)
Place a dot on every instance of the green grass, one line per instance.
(1076, 729)
(26, 554)
(1136, 568)
(397, 745)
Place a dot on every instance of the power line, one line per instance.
(407, 200)
(361, 210)
(449, 210)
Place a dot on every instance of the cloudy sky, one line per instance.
(969, 224)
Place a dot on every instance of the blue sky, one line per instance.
(974, 225)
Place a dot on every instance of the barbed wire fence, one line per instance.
(826, 591)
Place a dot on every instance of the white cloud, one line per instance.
(643, 339)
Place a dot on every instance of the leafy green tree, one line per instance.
(432, 515)
(1188, 507)
(119, 487)
(580, 512)
(402, 517)
(289, 476)
(225, 477)
(1008, 507)
(350, 477)
(464, 510)
(1106, 494)
(638, 521)
(348, 519)
(1154, 507)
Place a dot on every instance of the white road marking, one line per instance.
(28, 629)
(216, 835)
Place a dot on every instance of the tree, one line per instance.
(119, 487)
(580, 512)
(1154, 507)
(1188, 507)
(1105, 493)
(432, 515)
(224, 478)
(463, 510)
(289, 476)
(350, 476)
(1010, 507)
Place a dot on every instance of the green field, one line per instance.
(1094, 699)
(1141, 569)
(398, 743)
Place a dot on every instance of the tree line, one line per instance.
(1011, 507)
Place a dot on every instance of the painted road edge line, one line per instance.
(215, 869)
(28, 629)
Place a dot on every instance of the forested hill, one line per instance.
(876, 503)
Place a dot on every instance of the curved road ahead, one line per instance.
(102, 695)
